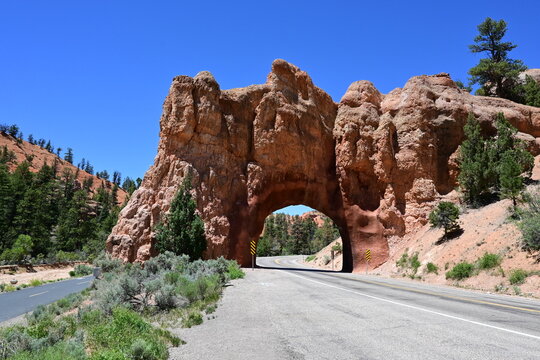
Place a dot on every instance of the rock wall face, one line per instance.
(375, 164)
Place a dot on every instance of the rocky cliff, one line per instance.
(375, 164)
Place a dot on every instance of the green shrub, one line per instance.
(70, 350)
(166, 298)
(193, 318)
(326, 259)
(107, 263)
(415, 263)
(310, 258)
(403, 260)
(234, 271)
(409, 264)
(337, 247)
(530, 230)
(20, 250)
(182, 229)
(432, 268)
(122, 334)
(461, 271)
(445, 215)
(143, 350)
(489, 261)
(517, 276)
(81, 270)
(36, 282)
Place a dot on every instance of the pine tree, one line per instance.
(476, 167)
(117, 178)
(506, 141)
(182, 230)
(531, 92)
(6, 155)
(69, 155)
(49, 147)
(129, 185)
(324, 235)
(13, 130)
(76, 225)
(511, 182)
(497, 74)
(6, 207)
(445, 215)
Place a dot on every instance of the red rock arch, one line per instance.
(375, 164)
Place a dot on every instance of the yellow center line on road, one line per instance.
(41, 293)
(277, 261)
(445, 296)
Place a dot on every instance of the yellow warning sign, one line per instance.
(367, 255)
(253, 247)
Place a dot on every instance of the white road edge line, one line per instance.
(419, 308)
(41, 293)
(84, 282)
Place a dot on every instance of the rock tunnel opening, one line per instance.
(301, 230)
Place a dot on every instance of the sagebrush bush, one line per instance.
(489, 261)
(65, 350)
(81, 270)
(461, 271)
(112, 326)
(107, 263)
(530, 230)
(143, 350)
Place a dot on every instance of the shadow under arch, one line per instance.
(321, 196)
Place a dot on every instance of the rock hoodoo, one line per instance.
(375, 164)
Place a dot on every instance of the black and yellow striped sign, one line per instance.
(367, 255)
(253, 247)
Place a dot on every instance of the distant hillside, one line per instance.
(38, 156)
(51, 210)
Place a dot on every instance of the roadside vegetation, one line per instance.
(410, 265)
(124, 315)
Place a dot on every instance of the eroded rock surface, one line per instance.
(375, 164)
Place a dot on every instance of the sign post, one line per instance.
(253, 248)
(333, 255)
(367, 256)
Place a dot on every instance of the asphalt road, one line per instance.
(19, 302)
(287, 311)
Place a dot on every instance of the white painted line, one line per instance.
(41, 293)
(419, 308)
(83, 282)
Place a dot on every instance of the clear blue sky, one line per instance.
(92, 75)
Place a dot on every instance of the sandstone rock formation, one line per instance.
(375, 164)
(534, 73)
